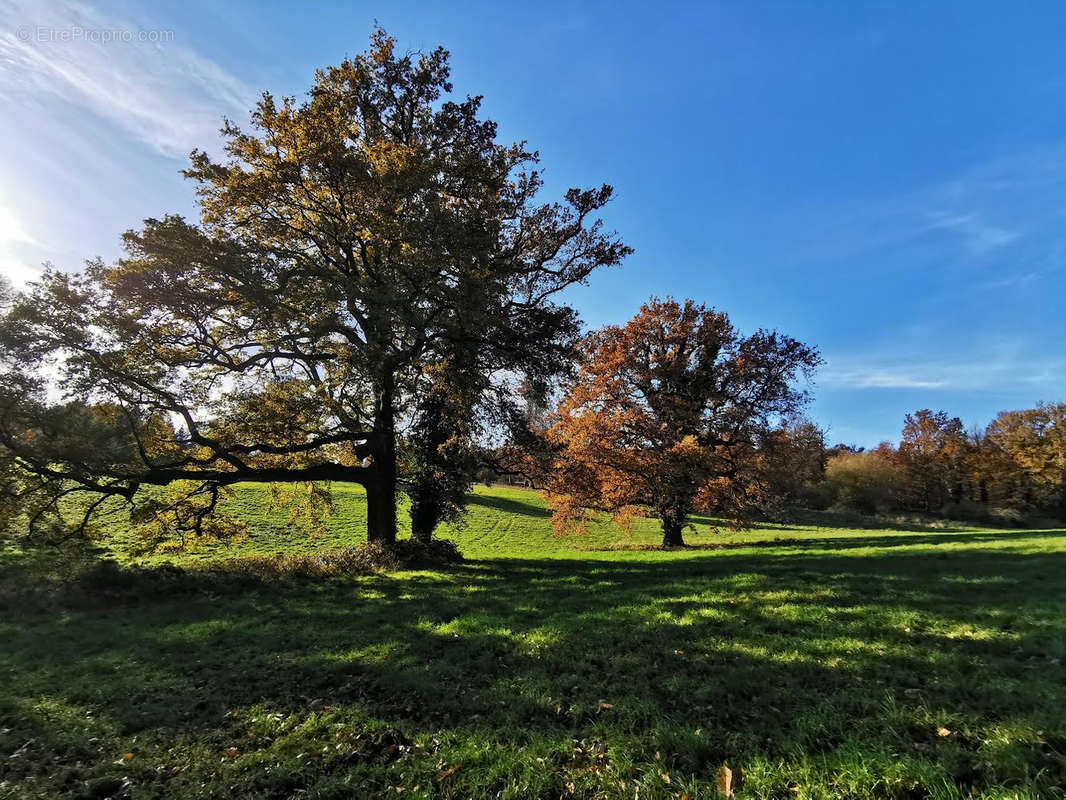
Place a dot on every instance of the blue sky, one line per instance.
(887, 181)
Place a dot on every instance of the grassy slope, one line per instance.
(821, 662)
(508, 522)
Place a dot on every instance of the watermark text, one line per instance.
(75, 34)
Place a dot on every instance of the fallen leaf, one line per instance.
(942, 732)
(450, 771)
(724, 781)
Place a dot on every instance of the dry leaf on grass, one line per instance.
(724, 781)
(450, 771)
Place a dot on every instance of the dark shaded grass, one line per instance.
(816, 675)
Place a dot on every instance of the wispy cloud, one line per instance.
(975, 232)
(877, 378)
(1019, 281)
(96, 111)
(969, 372)
(1000, 209)
(163, 94)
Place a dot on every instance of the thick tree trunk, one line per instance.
(381, 488)
(672, 534)
(381, 508)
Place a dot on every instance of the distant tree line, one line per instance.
(1012, 470)
(1015, 466)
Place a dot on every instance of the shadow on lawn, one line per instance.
(510, 505)
(901, 540)
(768, 656)
(857, 521)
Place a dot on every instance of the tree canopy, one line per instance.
(668, 412)
(371, 267)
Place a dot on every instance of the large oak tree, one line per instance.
(668, 413)
(371, 267)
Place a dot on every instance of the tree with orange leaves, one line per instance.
(666, 416)
(933, 452)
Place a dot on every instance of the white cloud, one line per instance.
(879, 379)
(993, 370)
(158, 91)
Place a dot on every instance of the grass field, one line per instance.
(816, 662)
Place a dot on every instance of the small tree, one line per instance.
(441, 451)
(667, 413)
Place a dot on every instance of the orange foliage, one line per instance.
(667, 413)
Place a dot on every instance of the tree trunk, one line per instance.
(381, 489)
(381, 507)
(672, 534)
(423, 520)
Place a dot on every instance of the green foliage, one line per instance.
(440, 452)
(865, 482)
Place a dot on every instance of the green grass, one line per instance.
(816, 662)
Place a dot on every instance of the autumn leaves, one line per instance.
(667, 414)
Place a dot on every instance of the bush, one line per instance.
(865, 482)
(818, 496)
(361, 560)
(414, 553)
(977, 513)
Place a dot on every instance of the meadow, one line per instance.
(813, 659)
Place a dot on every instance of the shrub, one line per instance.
(977, 513)
(865, 482)
(361, 560)
(818, 495)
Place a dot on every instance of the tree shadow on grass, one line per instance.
(845, 542)
(725, 657)
(509, 505)
(857, 521)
